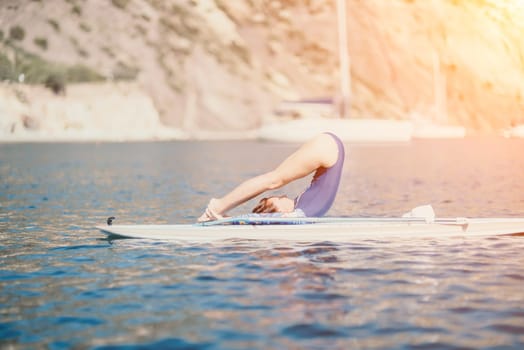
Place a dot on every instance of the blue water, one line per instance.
(64, 285)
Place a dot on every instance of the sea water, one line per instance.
(64, 285)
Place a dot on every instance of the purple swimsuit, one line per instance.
(316, 200)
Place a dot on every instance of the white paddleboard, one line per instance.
(319, 229)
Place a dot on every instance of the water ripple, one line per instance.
(64, 285)
(305, 331)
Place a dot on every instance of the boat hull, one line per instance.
(336, 232)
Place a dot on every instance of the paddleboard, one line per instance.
(337, 229)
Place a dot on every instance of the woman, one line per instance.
(323, 155)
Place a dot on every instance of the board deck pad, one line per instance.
(275, 220)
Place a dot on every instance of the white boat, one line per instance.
(517, 131)
(348, 130)
(335, 229)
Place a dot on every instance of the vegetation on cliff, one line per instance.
(17, 65)
(223, 65)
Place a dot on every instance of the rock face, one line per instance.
(105, 112)
(213, 65)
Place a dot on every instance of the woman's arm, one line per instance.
(322, 151)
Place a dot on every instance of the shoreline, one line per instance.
(177, 135)
(123, 112)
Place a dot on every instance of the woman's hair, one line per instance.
(265, 206)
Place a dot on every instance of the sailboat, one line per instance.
(348, 129)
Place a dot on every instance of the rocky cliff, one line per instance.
(225, 65)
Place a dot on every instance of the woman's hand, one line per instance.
(211, 212)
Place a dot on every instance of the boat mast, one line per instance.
(345, 70)
(440, 108)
